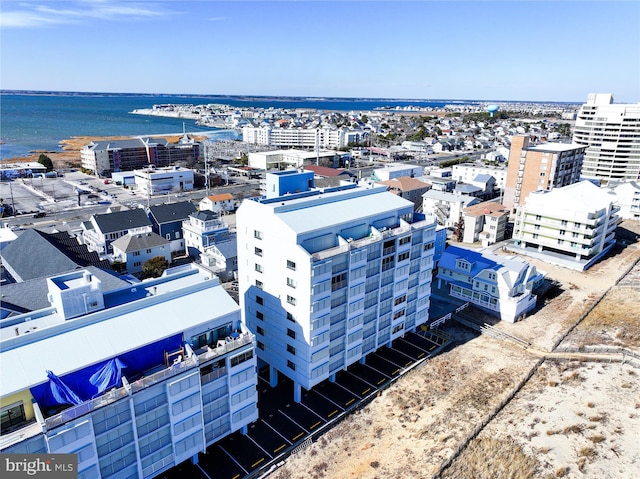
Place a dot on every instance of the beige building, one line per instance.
(485, 222)
(540, 167)
(408, 188)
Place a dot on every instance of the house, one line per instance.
(397, 171)
(326, 172)
(502, 286)
(101, 230)
(167, 219)
(408, 188)
(201, 230)
(446, 207)
(222, 258)
(485, 222)
(573, 226)
(221, 203)
(135, 249)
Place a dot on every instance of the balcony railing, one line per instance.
(226, 346)
(116, 394)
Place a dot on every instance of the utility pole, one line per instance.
(13, 206)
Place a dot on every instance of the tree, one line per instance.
(154, 267)
(45, 161)
(365, 119)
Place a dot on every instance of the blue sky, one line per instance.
(500, 50)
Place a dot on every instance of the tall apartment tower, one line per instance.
(539, 167)
(328, 276)
(611, 133)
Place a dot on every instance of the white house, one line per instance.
(135, 249)
(446, 207)
(500, 285)
(223, 202)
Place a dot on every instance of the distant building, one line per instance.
(279, 159)
(163, 181)
(297, 137)
(125, 379)
(397, 171)
(105, 157)
(467, 172)
(446, 207)
(500, 285)
(408, 188)
(573, 225)
(221, 203)
(331, 275)
(611, 134)
(540, 167)
(485, 222)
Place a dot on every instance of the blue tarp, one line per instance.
(85, 384)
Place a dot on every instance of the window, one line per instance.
(291, 265)
(338, 281)
(403, 256)
(291, 283)
(137, 264)
(240, 358)
(259, 268)
(538, 217)
(12, 415)
(428, 246)
(291, 300)
(387, 263)
(136, 253)
(257, 234)
(400, 299)
(291, 349)
(404, 240)
(259, 330)
(257, 251)
(564, 222)
(398, 314)
(291, 333)
(562, 232)
(260, 315)
(535, 235)
(290, 317)
(259, 299)
(260, 345)
(148, 251)
(291, 365)
(259, 284)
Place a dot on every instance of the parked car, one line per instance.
(40, 214)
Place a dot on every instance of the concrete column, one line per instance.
(297, 392)
(273, 377)
(244, 429)
(363, 360)
(332, 378)
(194, 459)
(540, 248)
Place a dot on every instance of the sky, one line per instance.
(486, 50)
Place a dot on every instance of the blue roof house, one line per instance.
(501, 285)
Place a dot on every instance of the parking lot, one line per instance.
(285, 424)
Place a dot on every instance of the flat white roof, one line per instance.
(25, 365)
(556, 147)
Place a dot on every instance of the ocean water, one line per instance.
(40, 121)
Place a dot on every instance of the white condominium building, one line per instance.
(125, 379)
(578, 220)
(612, 134)
(295, 137)
(328, 276)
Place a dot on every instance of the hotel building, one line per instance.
(125, 379)
(577, 221)
(105, 157)
(539, 167)
(302, 137)
(330, 275)
(611, 133)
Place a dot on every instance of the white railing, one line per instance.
(155, 378)
(85, 408)
(225, 346)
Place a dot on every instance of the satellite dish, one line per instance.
(492, 109)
